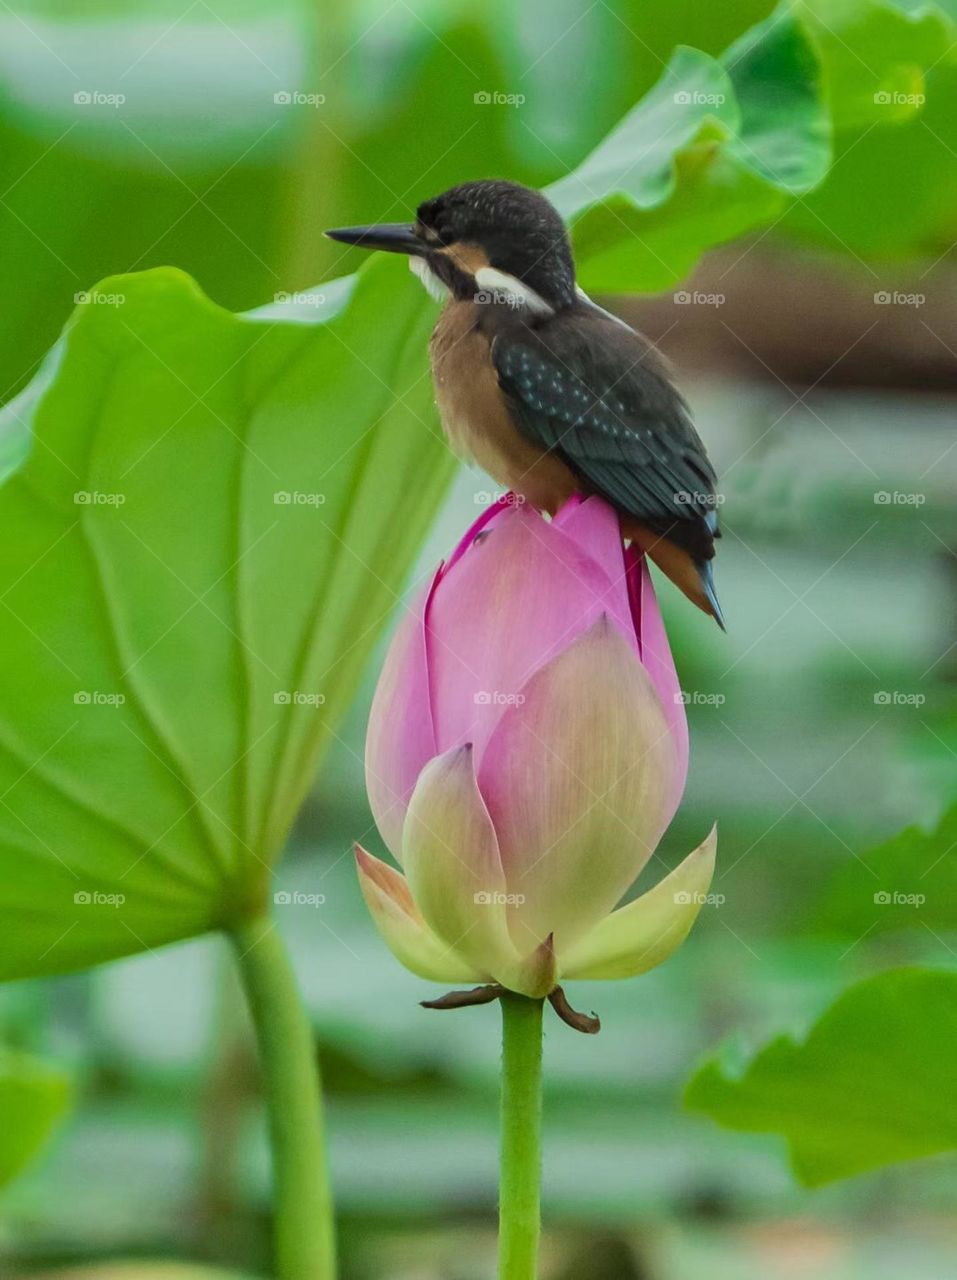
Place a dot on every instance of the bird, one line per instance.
(546, 391)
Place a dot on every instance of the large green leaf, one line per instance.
(227, 186)
(874, 57)
(872, 1084)
(160, 601)
(891, 81)
(717, 147)
(908, 882)
(199, 549)
(33, 1099)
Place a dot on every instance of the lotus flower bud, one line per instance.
(527, 748)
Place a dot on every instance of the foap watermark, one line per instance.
(698, 698)
(499, 298)
(698, 498)
(96, 698)
(94, 498)
(94, 898)
(893, 898)
(294, 498)
(695, 298)
(495, 98)
(495, 898)
(496, 698)
(298, 698)
(894, 298)
(298, 98)
(694, 97)
(484, 498)
(685, 898)
(891, 98)
(98, 98)
(296, 898)
(304, 298)
(896, 498)
(898, 698)
(93, 298)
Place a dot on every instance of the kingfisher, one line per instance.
(546, 391)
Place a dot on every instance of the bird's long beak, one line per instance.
(395, 237)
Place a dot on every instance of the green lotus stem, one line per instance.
(521, 1153)
(303, 1220)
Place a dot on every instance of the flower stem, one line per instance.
(521, 1149)
(303, 1221)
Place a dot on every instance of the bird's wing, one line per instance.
(589, 388)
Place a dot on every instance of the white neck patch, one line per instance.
(493, 286)
(509, 289)
(433, 285)
(595, 307)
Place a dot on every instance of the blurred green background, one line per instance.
(137, 134)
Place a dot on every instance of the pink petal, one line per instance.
(578, 780)
(478, 526)
(401, 737)
(595, 529)
(655, 653)
(513, 601)
(565, 511)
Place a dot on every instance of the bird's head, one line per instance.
(491, 240)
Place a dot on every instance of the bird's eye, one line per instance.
(429, 234)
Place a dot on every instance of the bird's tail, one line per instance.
(694, 577)
(706, 581)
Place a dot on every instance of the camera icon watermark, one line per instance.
(297, 98)
(694, 97)
(499, 298)
(695, 298)
(294, 498)
(698, 698)
(93, 298)
(94, 698)
(484, 498)
(495, 898)
(894, 298)
(305, 298)
(295, 898)
(889, 898)
(496, 698)
(94, 498)
(898, 698)
(94, 898)
(896, 498)
(97, 98)
(298, 698)
(886, 98)
(494, 98)
(698, 498)
(687, 898)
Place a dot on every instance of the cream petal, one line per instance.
(406, 934)
(646, 932)
(536, 974)
(451, 858)
(577, 779)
